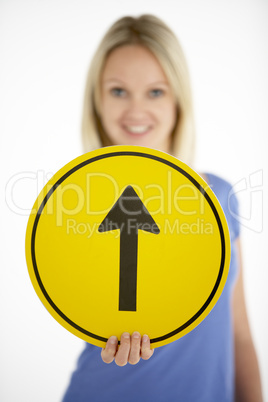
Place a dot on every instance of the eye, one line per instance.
(156, 93)
(118, 92)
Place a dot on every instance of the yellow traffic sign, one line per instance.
(126, 239)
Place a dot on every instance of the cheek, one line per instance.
(110, 115)
(110, 111)
(168, 114)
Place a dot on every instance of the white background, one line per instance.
(45, 49)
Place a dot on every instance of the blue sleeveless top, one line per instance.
(198, 367)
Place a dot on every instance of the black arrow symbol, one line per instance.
(128, 214)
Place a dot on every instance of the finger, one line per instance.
(121, 357)
(146, 352)
(109, 352)
(135, 348)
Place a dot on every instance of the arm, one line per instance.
(131, 349)
(248, 383)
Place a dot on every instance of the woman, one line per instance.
(138, 93)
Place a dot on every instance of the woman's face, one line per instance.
(137, 104)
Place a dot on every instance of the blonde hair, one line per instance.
(152, 33)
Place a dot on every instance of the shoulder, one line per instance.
(225, 193)
(218, 184)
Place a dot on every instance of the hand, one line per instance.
(131, 349)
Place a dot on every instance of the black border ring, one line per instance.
(172, 165)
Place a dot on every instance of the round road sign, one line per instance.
(129, 239)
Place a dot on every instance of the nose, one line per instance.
(136, 108)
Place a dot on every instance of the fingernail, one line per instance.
(136, 335)
(113, 340)
(145, 338)
(125, 335)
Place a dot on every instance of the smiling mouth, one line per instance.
(137, 129)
